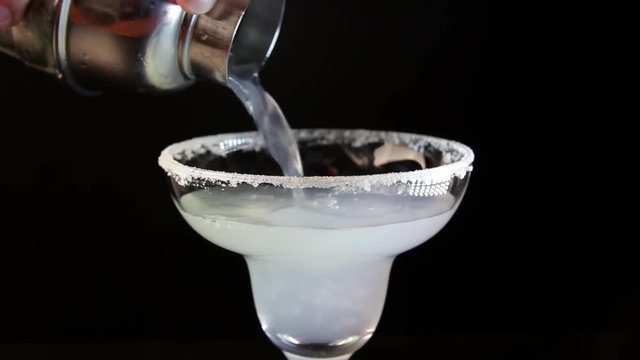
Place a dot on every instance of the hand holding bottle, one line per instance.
(12, 11)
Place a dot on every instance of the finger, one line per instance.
(6, 17)
(197, 6)
(12, 11)
(19, 6)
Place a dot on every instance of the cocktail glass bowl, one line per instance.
(319, 248)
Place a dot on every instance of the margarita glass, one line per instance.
(319, 248)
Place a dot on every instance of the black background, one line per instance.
(95, 262)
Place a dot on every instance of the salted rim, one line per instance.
(187, 175)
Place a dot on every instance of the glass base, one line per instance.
(298, 357)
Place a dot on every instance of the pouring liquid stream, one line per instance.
(270, 121)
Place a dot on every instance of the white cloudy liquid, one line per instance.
(319, 271)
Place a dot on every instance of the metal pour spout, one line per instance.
(235, 37)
